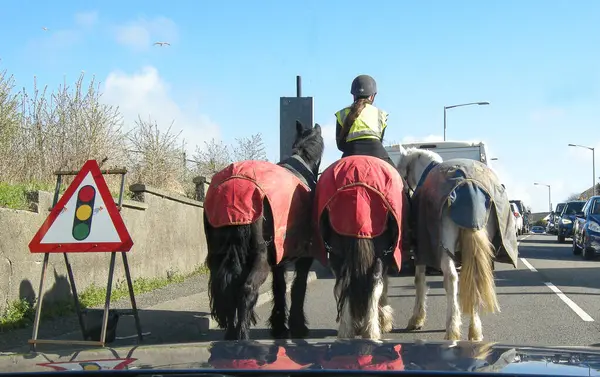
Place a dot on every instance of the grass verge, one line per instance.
(17, 196)
(21, 313)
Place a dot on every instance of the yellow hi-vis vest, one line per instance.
(368, 125)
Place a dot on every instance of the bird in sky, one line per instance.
(44, 28)
(162, 43)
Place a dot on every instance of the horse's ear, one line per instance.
(403, 151)
(318, 128)
(299, 127)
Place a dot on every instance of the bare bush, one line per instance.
(9, 127)
(156, 157)
(250, 148)
(213, 158)
(63, 129)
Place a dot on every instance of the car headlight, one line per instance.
(565, 221)
(594, 227)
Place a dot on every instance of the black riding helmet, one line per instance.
(363, 86)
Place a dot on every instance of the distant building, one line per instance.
(588, 193)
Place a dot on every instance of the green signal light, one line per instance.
(82, 222)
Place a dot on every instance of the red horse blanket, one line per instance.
(235, 197)
(282, 362)
(359, 192)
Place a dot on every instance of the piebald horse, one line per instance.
(458, 205)
(359, 204)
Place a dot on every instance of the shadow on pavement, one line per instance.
(158, 327)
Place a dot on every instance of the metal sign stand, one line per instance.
(102, 342)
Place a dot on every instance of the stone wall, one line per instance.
(167, 232)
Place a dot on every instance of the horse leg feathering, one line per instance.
(449, 240)
(259, 267)
(297, 319)
(278, 316)
(417, 321)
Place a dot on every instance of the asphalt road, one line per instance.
(552, 298)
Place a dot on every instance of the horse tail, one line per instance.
(476, 281)
(356, 281)
(229, 249)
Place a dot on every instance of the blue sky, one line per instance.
(536, 62)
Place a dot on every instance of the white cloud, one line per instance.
(142, 33)
(146, 94)
(86, 19)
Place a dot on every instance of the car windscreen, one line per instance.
(573, 207)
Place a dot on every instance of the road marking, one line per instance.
(525, 262)
(580, 312)
(576, 308)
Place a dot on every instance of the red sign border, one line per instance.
(91, 166)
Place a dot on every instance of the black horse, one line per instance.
(267, 225)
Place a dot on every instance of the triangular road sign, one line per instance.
(85, 219)
(89, 365)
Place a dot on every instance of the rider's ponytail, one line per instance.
(355, 110)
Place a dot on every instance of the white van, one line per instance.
(446, 149)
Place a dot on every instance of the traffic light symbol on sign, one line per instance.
(82, 224)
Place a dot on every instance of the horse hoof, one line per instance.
(386, 318)
(299, 332)
(415, 324)
(452, 336)
(282, 333)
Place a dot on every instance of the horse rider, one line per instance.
(361, 126)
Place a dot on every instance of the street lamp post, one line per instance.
(593, 165)
(462, 104)
(549, 194)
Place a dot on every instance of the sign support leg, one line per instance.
(111, 272)
(38, 310)
(75, 296)
(136, 316)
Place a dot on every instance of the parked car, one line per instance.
(525, 213)
(565, 221)
(536, 229)
(552, 227)
(586, 229)
(518, 218)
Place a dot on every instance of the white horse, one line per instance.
(476, 286)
